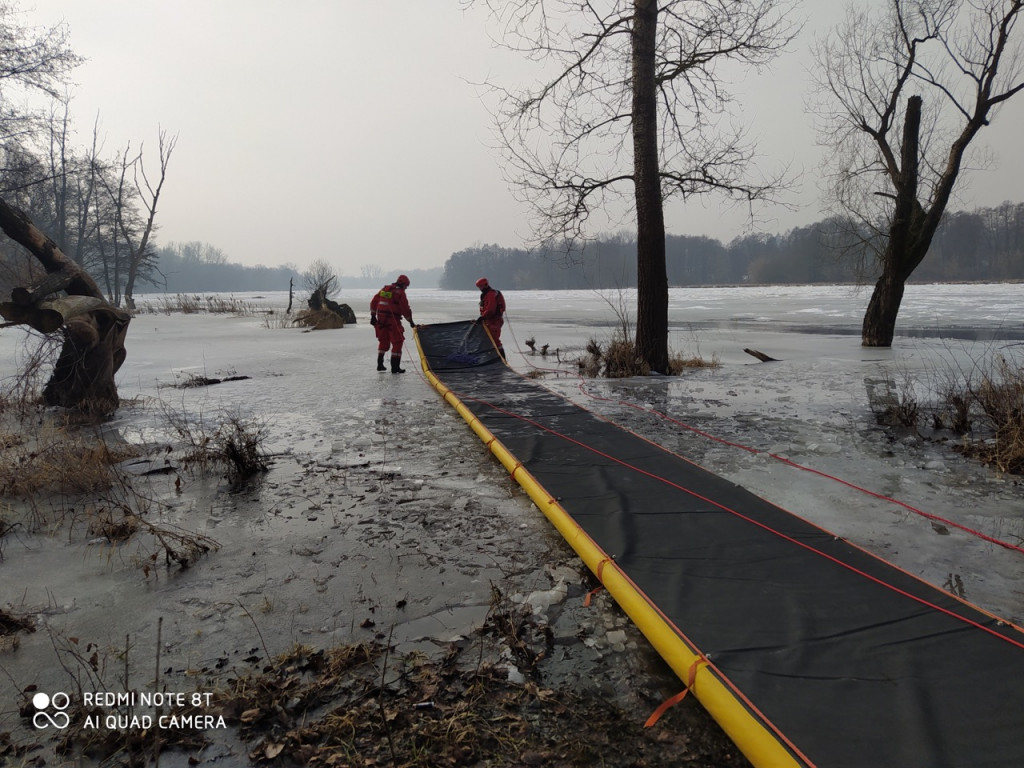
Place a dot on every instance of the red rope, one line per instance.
(804, 468)
(748, 519)
(669, 622)
(812, 470)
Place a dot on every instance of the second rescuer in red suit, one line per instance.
(387, 308)
(492, 311)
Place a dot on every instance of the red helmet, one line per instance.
(402, 281)
(482, 283)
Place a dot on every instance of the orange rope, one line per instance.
(672, 701)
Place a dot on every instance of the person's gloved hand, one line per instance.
(373, 319)
(412, 324)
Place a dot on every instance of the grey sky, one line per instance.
(349, 130)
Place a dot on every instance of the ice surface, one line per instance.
(380, 495)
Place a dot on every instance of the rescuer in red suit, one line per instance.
(387, 308)
(492, 310)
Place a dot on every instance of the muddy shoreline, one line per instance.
(407, 542)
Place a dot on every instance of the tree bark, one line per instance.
(652, 277)
(905, 239)
(879, 325)
(94, 330)
(83, 377)
(53, 282)
(50, 316)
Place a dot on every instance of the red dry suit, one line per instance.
(390, 305)
(492, 309)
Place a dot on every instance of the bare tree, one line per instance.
(66, 298)
(73, 186)
(371, 271)
(94, 330)
(134, 231)
(321, 279)
(322, 282)
(31, 60)
(903, 96)
(632, 108)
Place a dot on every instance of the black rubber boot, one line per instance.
(395, 365)
(380, 362)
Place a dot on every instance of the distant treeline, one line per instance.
(987, 244)
(196, 267)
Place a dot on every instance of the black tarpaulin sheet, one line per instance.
(849, 660)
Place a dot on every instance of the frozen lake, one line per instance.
(811, 406)
(379, 491)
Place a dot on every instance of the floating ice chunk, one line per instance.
(617, 640)
(562, 573)
(543, 599)
(824, 449)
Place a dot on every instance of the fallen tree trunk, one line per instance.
(50, 316)
(52, 283)
(760, 355)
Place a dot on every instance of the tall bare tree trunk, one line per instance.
(652, 277)
(880, 318)
(910, 235)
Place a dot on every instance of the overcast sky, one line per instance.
(351, 130)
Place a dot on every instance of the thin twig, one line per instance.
(256, 626)
(380, 699)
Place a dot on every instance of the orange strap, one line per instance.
(671, 702)
(600, 577)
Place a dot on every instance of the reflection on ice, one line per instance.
(378, 493)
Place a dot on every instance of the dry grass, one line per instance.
(356, 705)
(180, 303)
(619, 359)
(999, 400)
(20, 395)
(318, 319)
(64, 476)
(275, 320)
(58, 459)
(59, 474)
(232, 442)
(982, 405)
(678, 363)
(190, 304)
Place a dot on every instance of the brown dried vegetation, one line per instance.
(356, 706)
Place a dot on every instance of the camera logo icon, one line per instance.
(50, 710)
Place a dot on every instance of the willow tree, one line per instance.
(903, 96)
(630, 112)
(68, 300)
